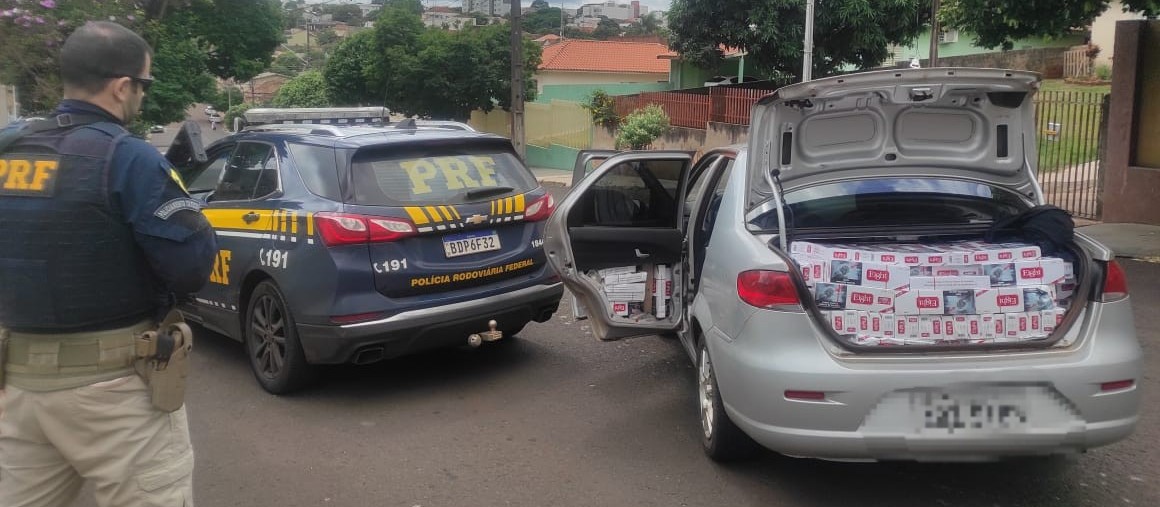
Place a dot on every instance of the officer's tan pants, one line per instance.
(108, 433)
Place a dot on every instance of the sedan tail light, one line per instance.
(1115, 283)
(348, 229)
(767, 289)
(540, 209)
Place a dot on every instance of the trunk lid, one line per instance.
(475, 215)
(973, 124)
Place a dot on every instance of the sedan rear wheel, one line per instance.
(272, 342)
(722, 440)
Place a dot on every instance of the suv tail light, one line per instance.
(540, 209)
(347, 229)
(1115, 283)
(767, 289)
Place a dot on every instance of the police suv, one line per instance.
(346, 238)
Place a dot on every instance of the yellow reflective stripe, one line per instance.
(455, 212)
(310, 225)
(417, 215)
(492, 210)
(520, 203)
(434, 213)
(232, 219)
(294, 222)
(446, 213)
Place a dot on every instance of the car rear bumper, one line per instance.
(426, 328)
(756, 368)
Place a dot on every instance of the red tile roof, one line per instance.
(605, 56)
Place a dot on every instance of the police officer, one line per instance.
(95, 225)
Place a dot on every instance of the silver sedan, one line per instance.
(903, 157)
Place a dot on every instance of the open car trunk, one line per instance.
(938, 292)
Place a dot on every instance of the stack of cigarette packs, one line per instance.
(638, 291)
(933, 294)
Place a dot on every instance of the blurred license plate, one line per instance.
(470, 243)
(937, 412)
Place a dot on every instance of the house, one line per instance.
(367, 9)
(953, 42)
(1103, 30)
(684, 74)
(445, 18)
(488, 7)
(547, 40)
(263, 87)
(573, 68)
(631, 11)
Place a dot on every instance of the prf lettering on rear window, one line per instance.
(453, 172)
(33, 176)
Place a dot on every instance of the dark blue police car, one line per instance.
(347, 239)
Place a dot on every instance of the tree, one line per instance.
(546, 20)
(326, 38)
(288, 64)
(345, 13)
(241, 34)
(607, 29)
(350, 72)
(999, 23)
(846, 32)
(306, 90)
(540, 4)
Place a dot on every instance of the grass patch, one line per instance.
(1068, 127)
(1059, 85)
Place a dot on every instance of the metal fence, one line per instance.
(1072, 136)
(697, 107)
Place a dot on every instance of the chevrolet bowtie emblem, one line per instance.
(476, 219)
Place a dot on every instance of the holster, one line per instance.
(163, 361)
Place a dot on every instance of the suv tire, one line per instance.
(271, 340)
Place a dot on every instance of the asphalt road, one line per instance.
(556, 418)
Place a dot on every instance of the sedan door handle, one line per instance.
(250, 217)
(641, 255)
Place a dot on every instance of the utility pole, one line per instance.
(517, 79)
(934, 30)
(808, 43)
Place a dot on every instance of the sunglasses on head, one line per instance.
(145, 82)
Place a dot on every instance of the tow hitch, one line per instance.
(491, 335)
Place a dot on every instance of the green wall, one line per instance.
(684, 75)
(580, 93)
(965, 46)
(552, 157)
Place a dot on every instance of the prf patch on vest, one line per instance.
(28, 175)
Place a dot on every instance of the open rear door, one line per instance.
(187, 151)
(616, 233)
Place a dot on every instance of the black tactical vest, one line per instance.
(68, 259)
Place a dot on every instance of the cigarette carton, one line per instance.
(631, 292)
(907, 327)
(623, 278)
(836, 296)
(993, 326)
(616, 271)
(949, 282)
(919, 302)
(1045, 271)
(959, 302)
(1037, 298)
(1001, 275)
(850, 319)
(620, 308)
(957, 270)
(999, 300)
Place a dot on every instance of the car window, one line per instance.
(639, 193)
(205, 178)
(251, 172)
(883, 201)
(698, 179)
(440, 175)
(316, 166)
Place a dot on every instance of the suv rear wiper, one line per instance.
(485, 192)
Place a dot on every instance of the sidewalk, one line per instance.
(1137, 241)
(555, 177)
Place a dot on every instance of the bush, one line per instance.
(639, 129)
(1104, 72)
(603, 109)
(236, 112)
